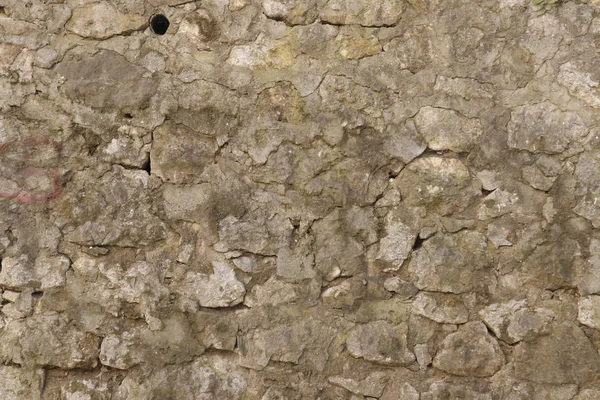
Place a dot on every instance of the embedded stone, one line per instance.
(396, 246)
(456, 263)
(566, 355)
(589, 311)
(514, 321)
(380, 342)
(107, 79)
(544, 128)
(470, 351)
(219, 289)
(442, 308)
(371, 386)
(363, 12)
(445, 129)
(103, 20)
(442, 185)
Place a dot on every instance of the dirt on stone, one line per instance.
(299, 199)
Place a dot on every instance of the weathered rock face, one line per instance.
(470, 352)
(455, 263)
(380, 342)
(444, 129)
(299, 199)
(564, 356)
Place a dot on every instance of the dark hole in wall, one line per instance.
(159, 24)
(147, 167)
(418, 243)
(2, 11)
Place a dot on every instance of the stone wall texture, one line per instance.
(299, 199)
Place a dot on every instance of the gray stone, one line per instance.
(346, 293)
(113, 209)
(380, 342)
(498, 203)
(203, 379)
(504, 385)
(400, 391)
(514, 321)
(48, 340)
(20, 383)
(470, 352)
(401, 287)
(179, 154)
(118, 353)
(396, 246)
(424, 358)
(498, 235)
(542, 128)
(394, 311)
(587, 394)
(442, 308)
(488, 180)
(453, 225)
(440, 390)
(291, 341)
(277, 292)
(292, 12)
(581, 81)
(589, 311)
(534, 176)
(238, 234)
(455, 263)
(187, 203)
(405, 143)
(589, 188)
(297, 264)
(102, 20)
(362, 12)
(176, 341)
(219, 289)
(443, 185)
(371, 386)
(44, 272)
(107, 79)
(564, 356)
(338, 252)
(445, 129)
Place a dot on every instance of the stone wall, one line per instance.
(299, 199)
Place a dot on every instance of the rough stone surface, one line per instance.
(299, 199)
(19, 383)
(513, 321)
(380, 342)
(589, 311)
(442, 308)
(455, 263)
(470, 352)
(442, 185)
(546, 129)
(447, 130)
(564, 356)
(371, 386)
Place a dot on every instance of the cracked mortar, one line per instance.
(299, 199)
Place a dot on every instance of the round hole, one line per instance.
(159, 24)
